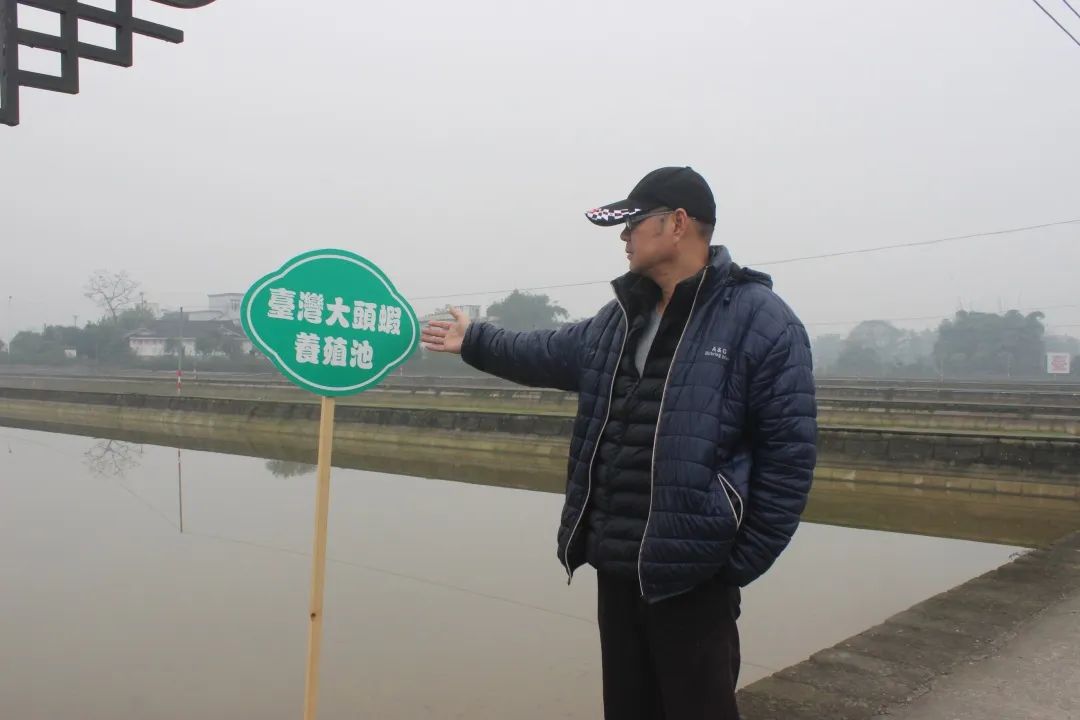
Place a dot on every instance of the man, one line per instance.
(692, 450)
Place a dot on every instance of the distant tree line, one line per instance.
(969, 345)
(517, 311)
(106, 340)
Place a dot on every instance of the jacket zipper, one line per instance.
(659, 418)
(737, 514)
(592, 460)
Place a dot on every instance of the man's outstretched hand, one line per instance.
(445, 336)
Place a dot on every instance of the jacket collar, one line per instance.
(720, 272)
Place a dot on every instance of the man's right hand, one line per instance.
(445, 336)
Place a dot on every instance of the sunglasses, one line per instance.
(633, 222)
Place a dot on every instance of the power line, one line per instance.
(921, 243)
(1068, 5)
(784, 261)
(1063, 29)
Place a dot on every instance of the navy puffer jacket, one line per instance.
(735, 444)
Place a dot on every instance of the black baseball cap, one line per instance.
(669, 187)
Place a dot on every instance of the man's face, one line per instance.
(649, 241)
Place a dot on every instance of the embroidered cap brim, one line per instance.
(618, 212)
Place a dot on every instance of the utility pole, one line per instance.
(8, 325)
(180, 354)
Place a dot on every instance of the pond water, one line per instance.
(140, 581)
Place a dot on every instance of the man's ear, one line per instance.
(680, 223)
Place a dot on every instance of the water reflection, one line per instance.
(112, 458)
(913, 508)
(289, 468)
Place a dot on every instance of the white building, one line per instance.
(146, 343)
(227, 304)
(221, 307)
(472, 311)
(202, 315)
(165, 337)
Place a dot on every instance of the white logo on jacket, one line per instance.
(718, 352)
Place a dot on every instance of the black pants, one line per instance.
(677, 659)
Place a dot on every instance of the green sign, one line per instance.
(331, 322)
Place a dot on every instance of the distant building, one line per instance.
(165, 336)
(150, 343)
(472, 311)
(228, 304)
(221, 307)
(203, 315)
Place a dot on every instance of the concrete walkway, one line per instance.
(1033, 676)
(1003, 646)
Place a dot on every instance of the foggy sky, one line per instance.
(458, 144)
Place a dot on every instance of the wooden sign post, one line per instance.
(334, 324)
(318, 557)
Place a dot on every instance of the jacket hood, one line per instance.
(722, 272)
(727, 269)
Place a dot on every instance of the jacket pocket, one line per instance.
(734, 500)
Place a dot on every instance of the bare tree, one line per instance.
(112, 292)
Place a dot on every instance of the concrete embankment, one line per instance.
(1018, 464)
(530, 435)
(984, 411)
(1013, 615)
